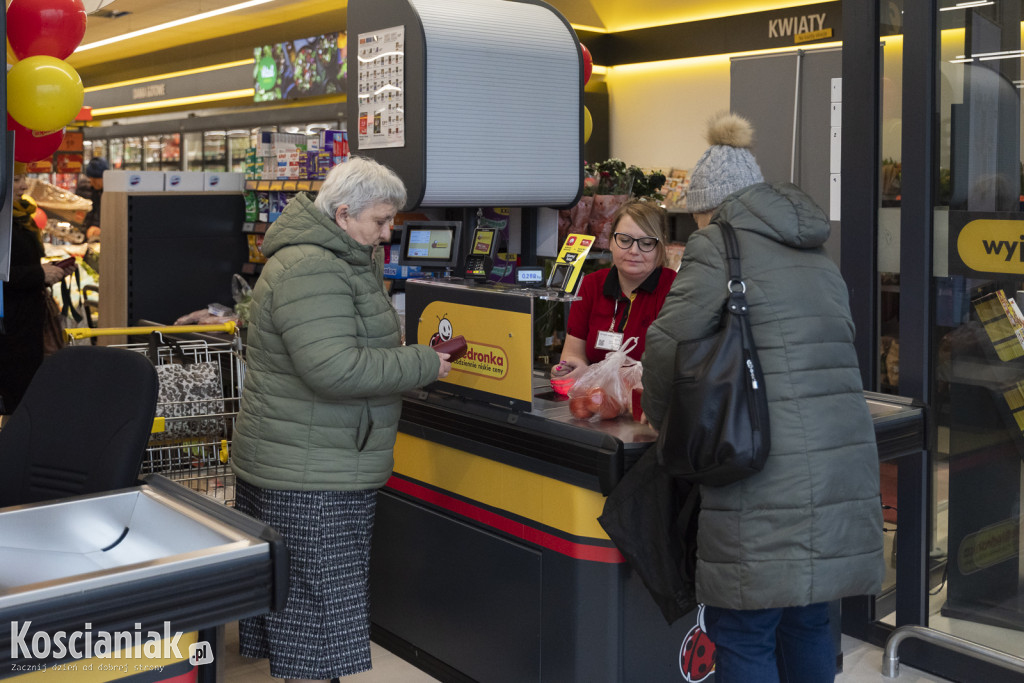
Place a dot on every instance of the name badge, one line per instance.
(609, 341)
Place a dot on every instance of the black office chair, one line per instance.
(82, 426)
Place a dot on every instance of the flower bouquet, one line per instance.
(607, 185)
(577, 219)
(614, 186)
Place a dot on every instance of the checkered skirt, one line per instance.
(324, 631)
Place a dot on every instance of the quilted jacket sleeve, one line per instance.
(322, 311)
(692, 310)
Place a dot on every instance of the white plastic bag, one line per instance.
(605, 389)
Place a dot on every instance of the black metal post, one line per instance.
(917, 314)
(859, 171)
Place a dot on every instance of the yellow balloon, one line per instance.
(588, 125)
(44, 93)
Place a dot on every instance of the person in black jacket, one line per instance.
(21, 340)
(94, 172)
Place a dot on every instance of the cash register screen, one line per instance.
(431, 244)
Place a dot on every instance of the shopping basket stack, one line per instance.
(201, 377)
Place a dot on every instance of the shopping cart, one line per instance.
(191, 439)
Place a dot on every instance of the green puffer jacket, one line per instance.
(807, 528)
(325, 365)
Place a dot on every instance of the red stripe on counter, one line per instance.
(577, 551)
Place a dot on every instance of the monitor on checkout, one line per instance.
(431, 245)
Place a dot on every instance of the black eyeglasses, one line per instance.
(626, 241)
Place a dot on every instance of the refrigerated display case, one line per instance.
(96, 148)
(168, 153)
(132, 154)
(215, 150)
(151, 152)
(239, 142)
(115, 150)
(192, 151)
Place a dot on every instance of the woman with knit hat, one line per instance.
(24, 303)
(774, 549)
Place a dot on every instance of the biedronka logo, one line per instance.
(485, 360)
(992, 246)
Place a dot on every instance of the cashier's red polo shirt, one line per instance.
(594, 311)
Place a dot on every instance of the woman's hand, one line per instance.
(52, 274)
(573, 361)
(446, 367)
(562, 369)
(567, 370)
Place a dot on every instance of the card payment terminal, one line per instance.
(482, 251)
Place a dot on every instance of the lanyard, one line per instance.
(615, 314)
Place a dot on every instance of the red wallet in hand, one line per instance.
(456, 347)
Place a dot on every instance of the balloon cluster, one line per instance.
(44, 93)
(588, 68)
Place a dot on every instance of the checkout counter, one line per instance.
(488, 560)
(147, 567)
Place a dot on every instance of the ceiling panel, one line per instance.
(233, 35)
(142, 14)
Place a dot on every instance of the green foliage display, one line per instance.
(613, 176)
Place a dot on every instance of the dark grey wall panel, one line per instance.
(178, 264)
(765, 90)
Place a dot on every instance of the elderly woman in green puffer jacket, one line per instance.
(319, 414)
(775, 548)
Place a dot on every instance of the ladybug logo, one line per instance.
(444, 331)
(697, 655)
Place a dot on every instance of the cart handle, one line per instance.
(85, 332)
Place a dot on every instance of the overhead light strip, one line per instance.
(589, 29)
(174, 74)
(967, 5)
(174, 102)
(171, 24)
(988, 56)
(660, 64)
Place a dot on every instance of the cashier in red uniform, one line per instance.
(622, 301)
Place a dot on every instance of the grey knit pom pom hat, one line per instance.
(726, 167)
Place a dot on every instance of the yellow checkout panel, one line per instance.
(488, 560)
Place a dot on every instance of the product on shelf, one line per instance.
(255, 248)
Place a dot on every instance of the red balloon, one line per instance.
(40, 218)
(588, 63)
(45, 27)
(31, 145)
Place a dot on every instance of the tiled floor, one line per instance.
(862, 663)
(387, 668)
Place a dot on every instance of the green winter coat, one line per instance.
(325, 364)
(807, 528)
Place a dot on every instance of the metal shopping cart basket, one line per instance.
(201, 377)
